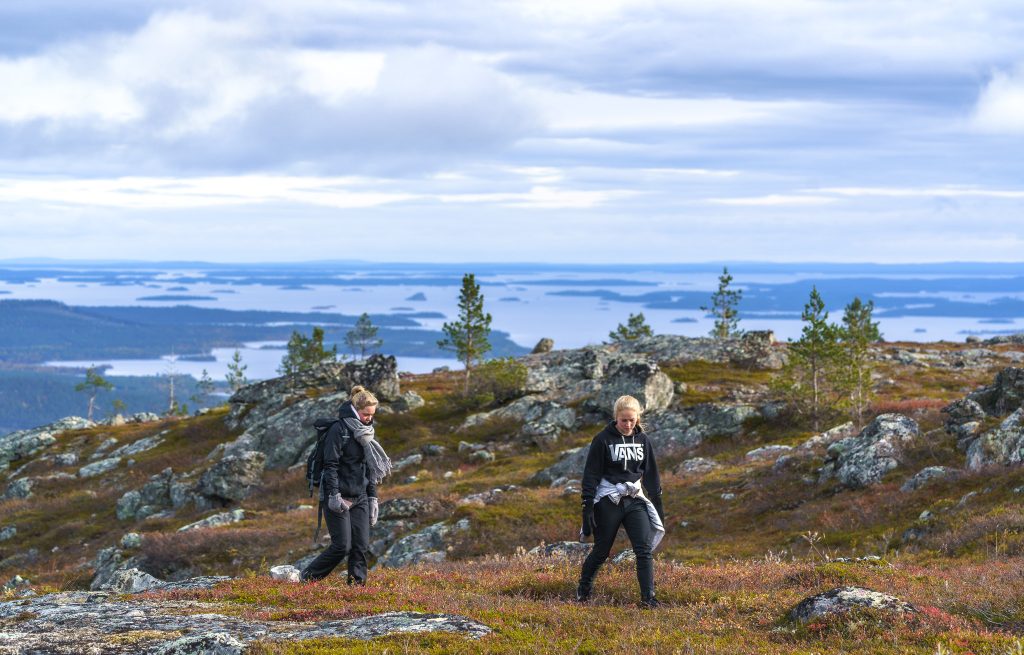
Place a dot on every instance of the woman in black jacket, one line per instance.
(353, 464)
(620, 465)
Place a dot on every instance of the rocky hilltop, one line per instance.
(140, 525)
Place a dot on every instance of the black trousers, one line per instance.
(630, 513)
(350, 537)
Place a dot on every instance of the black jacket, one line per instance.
(344, 461)
(621, 459)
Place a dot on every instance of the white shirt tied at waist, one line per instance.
(616, 492)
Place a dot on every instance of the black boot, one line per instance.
(650, 603)
(583, 592)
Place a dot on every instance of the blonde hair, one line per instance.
(623, 403)
(361, 398)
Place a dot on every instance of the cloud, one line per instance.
(925, 192)
(1000, 106)
(773, 200)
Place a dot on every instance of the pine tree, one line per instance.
(363, 336)
(468, 334)
(204, 387)
(812, 378)
(857, 335)
(305, 353)
(635, 328)
(94, 383)
(723, 307)
(236, 372)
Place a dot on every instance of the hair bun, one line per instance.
(356, 389)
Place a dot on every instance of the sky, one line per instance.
(532, 130)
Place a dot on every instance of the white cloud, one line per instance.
(1000, 106)
(924, 192)
(773, 200)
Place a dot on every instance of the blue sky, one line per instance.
(570, 131)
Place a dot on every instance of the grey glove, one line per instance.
(337, 504)
(374, 510)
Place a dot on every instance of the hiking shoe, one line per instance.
(650, 603)
(582, 594)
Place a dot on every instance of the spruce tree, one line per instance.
(236, 372)
(363, 336)
(636, 326)
(468, 334)
(812, 376)
(305, 353)
(857, 335)
(93, 384)
(724, 303)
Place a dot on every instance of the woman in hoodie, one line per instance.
(354, 463)
(620, 466)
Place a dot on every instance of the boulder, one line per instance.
(408, 401)
(764, 453)
(844, 599)
(161, 492)
(99, 468)
(545, 345)
(1004, 395)
(405, 508)
(130, 581)
(216, 643)
(412, 460)
(862, 460)
(65, 459)
(140, 446)
(965, 418)
(20, 488)
(696, 466)
(755, 349)
(131, 540)
(828, 437)
(636, 377)
(427, 545)
(215, 521)
(286, 572)
(25, 443)
(675, 432)
(569, 465)
(538, 418)
(8, 532)
(488, 497)
(928, 475)
(570, 550)
(108, 561)
(231, 479)
(1002, 446)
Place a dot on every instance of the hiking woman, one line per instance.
(353, 464)
(620, 466)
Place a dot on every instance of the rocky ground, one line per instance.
(107, 529)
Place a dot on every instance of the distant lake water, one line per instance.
(573, 307)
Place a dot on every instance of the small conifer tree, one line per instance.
(636, 326)
(363, 336)
(305, 352)
(236, 372)
(469, 334)
(857, 334)
(93, 384)
(724, 303)
(812, 379)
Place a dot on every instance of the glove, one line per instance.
(589, 523)
(374, 510)
(337, 504)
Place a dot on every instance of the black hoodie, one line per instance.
(344, 461)
(617, 458)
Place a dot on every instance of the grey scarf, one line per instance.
(378, 464)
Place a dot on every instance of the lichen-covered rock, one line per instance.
(108, 561)
(862, 460)
(488, 497)
(696, 466)
(408, 401)
(1002, 446)
(828, 437)
(140, 446)
(217, 643)
(405, 508)
(928, 475)
(158, 494)
(20, 488)
(570, 550)
(637, 377)
(764, 453)
(545, 345)
(8, 532)
(537, 415)
(965, 417)
(65, 459)
(286, 572)
(570, 464)
(130, 581)
(231, 479)
(754, 349)
(427, 545)
(25, 443)
(99, 468)
(1004, 395)
(412, 460)
(844, 599)
(675, 432)
(215, 521)
(131, 540)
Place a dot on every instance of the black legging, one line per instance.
(632, 514)
(350, 536)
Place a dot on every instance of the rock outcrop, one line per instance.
(231, 479)
(427, 545)
(964, 422)
(928, 475)
(162, 492)
(845, 599)
(862, 460)
(1004, 395)
(25, 443)
(755, 349)
(1002, 446)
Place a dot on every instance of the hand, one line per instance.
(589, 523)
(374, 510)
(337, 504)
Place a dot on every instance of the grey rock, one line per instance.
(965, 417)
(108, 561)
(972, 339)
(828, 437)
(17, 584)
(928, 475)
(862, 460)
(217, 643)
(20, 488)
(569, 550)
(405, 508)
(143, 417)
(386, 533)
(1002, 446)
(412, 460)
(65, 459)
(636, 377)
(844, 599)
(537, 415)
(1004, 395)
(675, 432)
(25, 443)
(232, 478)
(20, 560)
(131, 540)
(154, 496)
(771, 451)
(467, 447)
(408, 401)
(130, 581)
(545, 345)
(696, 466)
(427, 545)
(754, 349)
(140, 446)
(625, 557)
(433, 450)
(102, 449)
(489, 497)
(286, 572)
(215, 521)
(99, 468)
(8, 532)
(482, 456)
(784, 462)
(569, 464)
